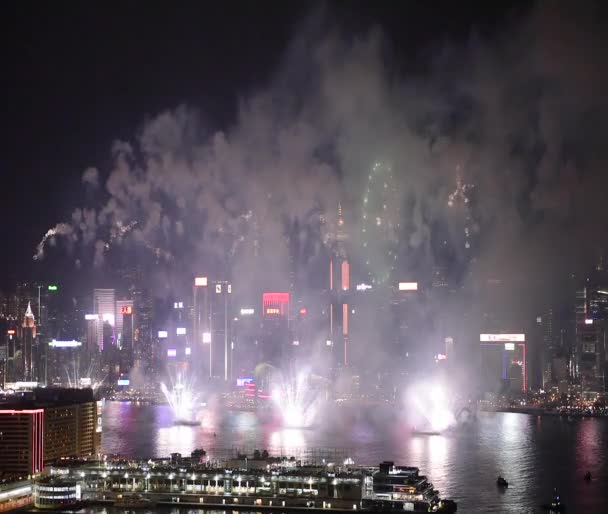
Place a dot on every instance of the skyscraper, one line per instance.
(124, 331)
(220, 326)
(275, 326)
(143, 344)
(339, 291)
(124, 311)
(28, 344)
(104, 305)
(591, 326)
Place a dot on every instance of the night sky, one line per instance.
(79, 77)
(76, 77)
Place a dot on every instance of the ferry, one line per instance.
(260, 482)
(399, 488)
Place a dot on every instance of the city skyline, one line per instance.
(282, 243)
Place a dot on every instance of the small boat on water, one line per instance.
(134, 502)
(501, 482)
(556, 504)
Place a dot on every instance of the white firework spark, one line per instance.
(295, 398)
(61, 229)
(460, 196)
(380, 223)
(121, 230)
(182, 398)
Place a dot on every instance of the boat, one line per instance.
(556, 504)
(447, 506)
(402, 488)
(134, 502)
(501, 482)
(383, 488)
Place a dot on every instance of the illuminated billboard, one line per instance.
(108, 318)
(10, 332)
(163, 334)
(52, 287)
(178, 305)
(247, 312)
(588, 322)
(363, 287)
(296, 343)
(181, 331)
(91, 317)
(64, 344)
(126, 309)
(123, 382)
(240, 382)
(510, 346)
(206, 337)
(200, 281)
(171, 352)
(188, 350)
(275, 304)
(408, 286)
(502, 338)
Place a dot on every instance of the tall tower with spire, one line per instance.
(339, 290)
(28, 342)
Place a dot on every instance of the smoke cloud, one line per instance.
(500, 114)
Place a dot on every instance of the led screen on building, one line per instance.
(275, 304)
(502, 338)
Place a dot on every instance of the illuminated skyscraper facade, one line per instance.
(339, 294)
(275, 335)
(28, 344)
(591, 346)
(104, 305)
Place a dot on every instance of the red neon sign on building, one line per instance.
(275, 304)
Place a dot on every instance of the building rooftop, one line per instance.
(45, 397)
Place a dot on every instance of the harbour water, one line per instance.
(534, 453)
